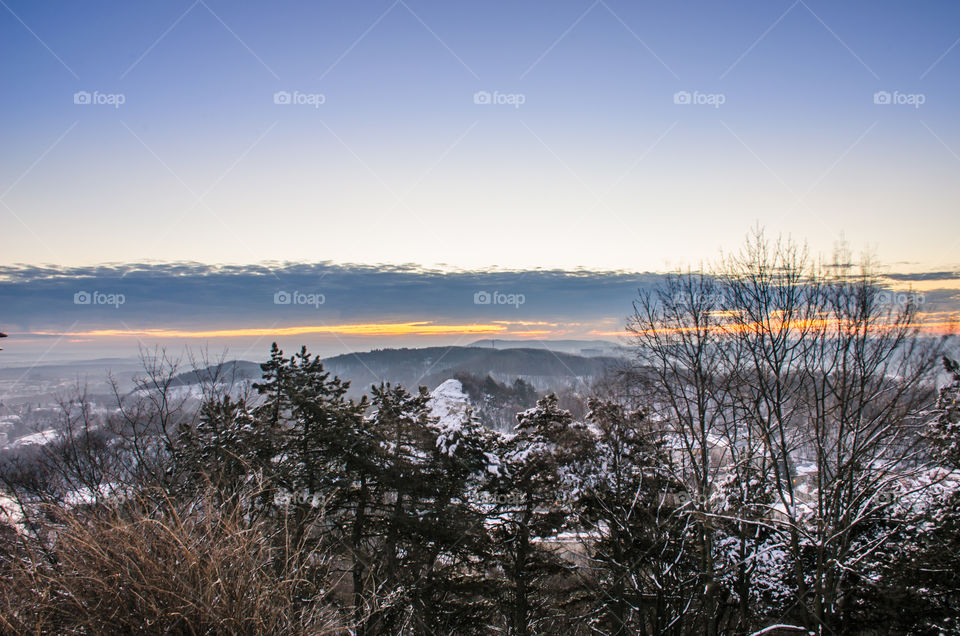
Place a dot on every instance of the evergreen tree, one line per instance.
(916, 576)
(632, 510)
(323, 441)
(537, 462)
(944, 431)
(430, 540)
(325, 454)
(221, 446)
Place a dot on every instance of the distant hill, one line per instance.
(58, 369)
(238, 370)
(543, 368)
(44, 382)
(588, 348)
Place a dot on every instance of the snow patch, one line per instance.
(36, 439)
(449, 404)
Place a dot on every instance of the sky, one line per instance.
(88, 312)
(79, 313)
(605, 136)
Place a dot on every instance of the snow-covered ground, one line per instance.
(36, 439)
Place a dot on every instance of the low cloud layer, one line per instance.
(356, 305)
(188, 296)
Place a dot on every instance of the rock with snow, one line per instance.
(456, 423)
(449, 403)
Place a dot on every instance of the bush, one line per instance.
(179, 568)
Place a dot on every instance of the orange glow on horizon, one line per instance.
(929, 326)
(940, 323)
(422, 328)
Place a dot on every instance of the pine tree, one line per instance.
(460, 588)
(220, 447)
(632, 510)
(944, 431)
(325, 454)
(536, 461)
(918, 570)
(430, 544)
(751, 554)
(324, 442)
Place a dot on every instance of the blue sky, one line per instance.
(619, 136)
(598, 167)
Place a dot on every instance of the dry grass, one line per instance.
(172, 570)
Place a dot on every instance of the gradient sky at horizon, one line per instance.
(60, 313)
(599, 167)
